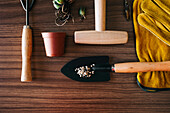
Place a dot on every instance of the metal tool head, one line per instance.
(27, 7)
(69, 69)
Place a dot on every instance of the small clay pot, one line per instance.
(54, 43)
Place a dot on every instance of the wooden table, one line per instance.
(50, 90)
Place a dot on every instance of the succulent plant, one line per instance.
(82, 12)
(58, 3)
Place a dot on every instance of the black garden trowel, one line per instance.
(97, 68)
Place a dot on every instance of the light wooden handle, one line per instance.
(100, 14)
(103, 37)
(142, 67)
(26, 54)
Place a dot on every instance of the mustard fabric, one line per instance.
(149, 47)
(156, 18)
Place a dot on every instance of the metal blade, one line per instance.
(69, 69)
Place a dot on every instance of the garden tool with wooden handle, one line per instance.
(26, 45)
(98, 68)
(99, 35)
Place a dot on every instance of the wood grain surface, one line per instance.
(51, 91)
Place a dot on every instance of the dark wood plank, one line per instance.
(50, 90)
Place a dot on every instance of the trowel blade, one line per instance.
(69, 69)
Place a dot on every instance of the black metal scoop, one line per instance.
(97, 68)
(69, 69)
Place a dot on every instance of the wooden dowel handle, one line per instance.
(26, 54)
(142, 67)
(100, 15)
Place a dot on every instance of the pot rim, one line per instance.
(53, 32)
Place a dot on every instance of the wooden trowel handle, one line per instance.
(100, 15)
(142, 67)
(26, 54)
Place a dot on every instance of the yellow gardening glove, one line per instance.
(149, 48)
(156, 18)
(164, 4)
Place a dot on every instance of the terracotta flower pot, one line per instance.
(54, 43)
